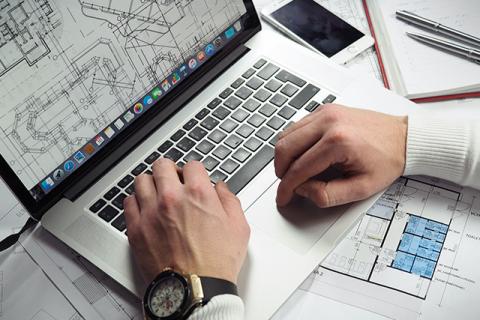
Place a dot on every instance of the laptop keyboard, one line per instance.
(233, 136)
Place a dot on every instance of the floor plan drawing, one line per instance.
(413, 255)
(69, 68)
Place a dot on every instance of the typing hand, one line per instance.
(368, 147)
(177, 219)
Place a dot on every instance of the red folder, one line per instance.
(384, 74)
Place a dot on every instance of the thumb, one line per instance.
(229, 201)
(335, 192)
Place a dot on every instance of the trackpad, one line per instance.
(298, 226)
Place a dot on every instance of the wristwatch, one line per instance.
(173, 295)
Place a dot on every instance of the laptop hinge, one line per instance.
(103, 166)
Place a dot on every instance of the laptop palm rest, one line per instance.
(298, 226)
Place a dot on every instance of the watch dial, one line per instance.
(167, 297)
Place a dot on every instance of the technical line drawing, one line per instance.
(69, 68)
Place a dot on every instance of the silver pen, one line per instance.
(437, 27)
(452, 47)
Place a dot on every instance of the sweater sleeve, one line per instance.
(446, 149)
(223, 307)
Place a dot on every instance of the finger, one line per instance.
(297, 125)
(165, 175)
(195, 173)
(295, 144)
(145, 192)
(229, 201)
(132, 212)
(313, 162)
(335, 192)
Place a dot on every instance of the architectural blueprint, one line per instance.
(69, 68)
(413, 255)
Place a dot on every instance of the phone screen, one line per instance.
(317, 26)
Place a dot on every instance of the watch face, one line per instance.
(167, 297)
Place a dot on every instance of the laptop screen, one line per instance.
(74, 74)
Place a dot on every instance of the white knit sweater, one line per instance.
(447, 149)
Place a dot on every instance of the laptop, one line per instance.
(94, 92)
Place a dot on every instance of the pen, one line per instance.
(437, 27)
(466, 52)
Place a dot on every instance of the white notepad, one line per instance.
(415, 70)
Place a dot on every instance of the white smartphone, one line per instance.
(313, 26)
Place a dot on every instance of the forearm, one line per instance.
(224, 307)
(444, 149)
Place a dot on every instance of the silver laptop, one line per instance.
(93, 92)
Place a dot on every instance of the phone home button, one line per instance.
(352, 49)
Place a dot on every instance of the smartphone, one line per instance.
(313, 26)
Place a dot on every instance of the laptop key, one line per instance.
(285, 76)
(193, 156)
(268, 71)
(251, 105)
(217, 176)
(214, 103)
(278, 100)
(174, 154)
(312, 106)
(233, 141)
(202, 114)
(244, 93)
(274, 140)
(245, 131)
(248, 74)
(237, 83)
(221, 152)
(287, 112)
(256, 120)
(139, 169)
(289, 90)
(273, 85)
(118, 201)
(120, 224)
(108, 213)
(304, 96)
(97, 205)
(260, 63)
(264, 133)
(240, 115)
(130, 189)
(210, 163)
(253, 144)
(226, 93)
(267, 110)
(165, 146)
(232, 102)
(241, 155)
(177, 135)
(221, 113)
(152, 157)
(190, 124)
(243, 176)
(254, 83)
(275, 123)
(262, 95)
(229, 125)
(111, 193)
(205, 146)
(185, 144)
(197, 133)
(217, 136)
(329, 99)
(210, 123)
(125, 181)
(181, 164)
(229, 166)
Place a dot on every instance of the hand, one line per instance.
(187, 225)
(368, 147)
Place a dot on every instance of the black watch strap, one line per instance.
(214, 287)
